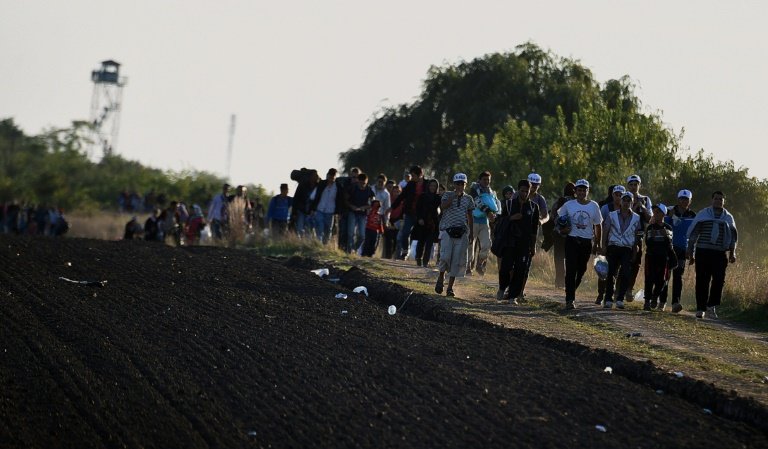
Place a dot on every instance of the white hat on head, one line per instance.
(619, 188)
(460, 177)
(534, 178)
(685, 193)
(660, 207)
(628, 195)
(582, 183)
(636, 178)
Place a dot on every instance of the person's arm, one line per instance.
(543, 211)
(734, 239)
(446, 201)
(606, 235)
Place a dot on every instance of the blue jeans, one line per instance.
(323, 226)
(356, 222)
(405, 233)
(304, 224)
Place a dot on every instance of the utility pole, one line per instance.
(231, 143)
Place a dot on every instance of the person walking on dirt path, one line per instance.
(152, 227)
(217, 213)
(620, 229)
(279, 211)
(522, 228)
(607, 205)
(374, 227)
(195, 225)
(382, 194)
(583, 237)
(325, 206)
(558, 240)
(359, 203)
(427, 223)
(345, 183)
(411, 193)
(455, 233)
(642, 207)
(680, 218)
(660, 256)
(712, 234)
(487, 206)
(394, 218)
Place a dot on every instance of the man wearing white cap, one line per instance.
(487, 206)
(680, 218)
(642, 207)
(536, 197)
(455, 233)
(583, 238)
(659, 256)
(620, 228)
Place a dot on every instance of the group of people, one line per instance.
(21, 219)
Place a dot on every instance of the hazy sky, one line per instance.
(305, 77)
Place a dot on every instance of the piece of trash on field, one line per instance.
(633, 334)
(361, 289)
(659, 391)
(707, 411)
(252, 433)
(69, 264)
(392, 309)
(608, 370)
(344, 312)
(321, 272)
(601, 428)
(341, 296)
(85, 283)
(640, 295)
(678, 374)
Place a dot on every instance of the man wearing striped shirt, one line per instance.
(711, 235)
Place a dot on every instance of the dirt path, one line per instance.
(727, 354)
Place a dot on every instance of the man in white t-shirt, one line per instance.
(583, 235)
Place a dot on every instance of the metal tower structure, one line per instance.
(105, 105)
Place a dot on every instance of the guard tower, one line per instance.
(105, 105)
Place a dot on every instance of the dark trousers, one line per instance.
(656, 276)
(710, 277)
(558, 250)
(389, 243)
(635, 270)
(677, 279)
(577, 252)
(619, 264)
(343, 233)
(424, 250)
(370, 243)
(513, 269)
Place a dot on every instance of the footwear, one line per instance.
(699, 314)
(521, 299)
(647, 306)
(468, 273)
(662, 306)
(439, 284)
(619, 304)
(418, 262)
(654, 304)
(499, 295)
(450, 293)
(599, 300)
(514, 302)
(607, 304)
(629, 297)
(569, 305)
(677, 307)
(480, 268)
(712, 312)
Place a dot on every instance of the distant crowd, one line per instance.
(24, 219)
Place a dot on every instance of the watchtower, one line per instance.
(105, 105)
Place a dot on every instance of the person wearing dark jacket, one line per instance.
(428, 220)
(659, 256)
(680, 218)
(151, 227)
(521, 219)
(328, 201)
(415, 187)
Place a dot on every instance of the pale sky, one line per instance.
(305, 77)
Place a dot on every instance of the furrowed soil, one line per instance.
(213, 347)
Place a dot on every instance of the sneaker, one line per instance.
(629, 297)
(677, 307)
(514, 302)
(619, 304)
(654, 304)
(450, 293)
(439, 285)
(418, 262)
(712, 312)
(569, 305)
(469, 272)
(599, 300)
(499, 295)
(662, 306)
(699, 314)
(607, 304)
(647, 306)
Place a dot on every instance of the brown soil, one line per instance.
(209, 347)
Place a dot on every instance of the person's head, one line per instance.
(416, 172)
(396, 190)
(331, 175)
(354, 172)
(507, 192)
(407, 175)
(172, 205)
(459, 182)
(284, 189)
(626, 201)
(484, 178)
(362, 180)
(718, 199)
(684, 198)
(381, 181)
(225, 188)
(375, 204)
(633, 183)
(390, 184)
(535, 180)
(569, 190)
(523, 190)
(659, 211)
(582, 189)
(617, 192)
(241, 191)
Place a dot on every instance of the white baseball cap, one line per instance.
(619, 188)
(660, 207)
(685, 193)
(460, 177)
(582, 183)
(534, 178)
(632, 178)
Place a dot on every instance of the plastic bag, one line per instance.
(601, 267)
